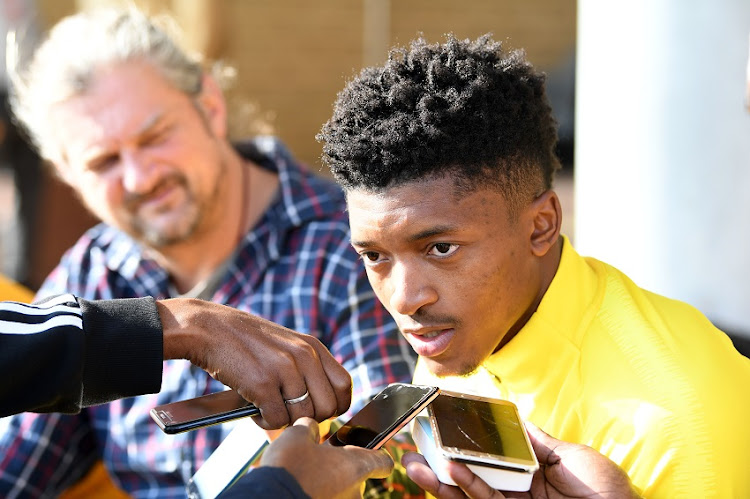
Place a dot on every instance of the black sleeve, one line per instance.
(124, 349)
(65, 353)
(266, 482)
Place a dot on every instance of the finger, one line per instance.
(338, 377)
(539, 486)
(541, 442)
(297, 399)
(270, 390)
(294, 439)
(471, 484)
(312, 427)
(273, 411)
(420, 473)
(322, 394)
(370, 463)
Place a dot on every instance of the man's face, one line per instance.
(454, 272)
(142, 155)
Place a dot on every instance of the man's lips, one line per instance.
(429, 342)
(158, 198)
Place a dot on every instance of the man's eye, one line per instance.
(155, 139)
(443, 249)
(103, 164)
(371, 256)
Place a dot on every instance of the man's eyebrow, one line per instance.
(438, 230)
(150, 123)
(361, 244)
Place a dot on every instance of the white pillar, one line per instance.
(662, 174)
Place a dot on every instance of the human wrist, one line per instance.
(181, 323)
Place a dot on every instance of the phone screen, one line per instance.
(202, 411)
(389, 411)
(480, 427)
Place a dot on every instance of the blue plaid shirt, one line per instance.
(295, 267)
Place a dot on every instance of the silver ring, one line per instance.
(299, 399)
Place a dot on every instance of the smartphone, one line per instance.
(478, 430)
(198, 412)
(382, 417)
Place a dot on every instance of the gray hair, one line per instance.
(64, 64)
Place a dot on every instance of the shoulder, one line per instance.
(100, 254)
(666, 350)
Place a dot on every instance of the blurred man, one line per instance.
(446, 156)
(139, 130)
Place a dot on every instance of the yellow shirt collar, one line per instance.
(555, 329)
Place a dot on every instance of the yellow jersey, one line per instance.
(646, 380)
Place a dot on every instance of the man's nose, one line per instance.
(412, 289)
(138, 174)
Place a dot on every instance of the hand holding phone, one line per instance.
(485, 434)
(388, 412)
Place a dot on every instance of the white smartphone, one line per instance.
(486, 434)
(382, 417)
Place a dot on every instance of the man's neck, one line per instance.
(549, 266)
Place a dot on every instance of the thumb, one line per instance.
(312, 427)
(543, 444)
(370, 463)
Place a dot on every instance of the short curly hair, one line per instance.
(463, 108)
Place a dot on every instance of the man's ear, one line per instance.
(213, 106)
(546, 214)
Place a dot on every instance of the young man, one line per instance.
(446, 156)
(139, 130)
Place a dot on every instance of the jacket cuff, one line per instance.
(124, 349)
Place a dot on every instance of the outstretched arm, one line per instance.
(67, 353)
(265, 362)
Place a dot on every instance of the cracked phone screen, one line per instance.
(480, 426)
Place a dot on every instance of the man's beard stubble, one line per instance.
(155, 235)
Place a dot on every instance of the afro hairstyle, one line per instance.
(463, 108)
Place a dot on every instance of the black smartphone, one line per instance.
(198, 412)
(382, 417)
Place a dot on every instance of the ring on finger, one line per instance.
(299, 399)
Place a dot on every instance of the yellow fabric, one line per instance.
(12, 291)
(646, 380)
(97, 484)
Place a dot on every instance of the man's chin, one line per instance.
(443, 369)
(161, 235)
